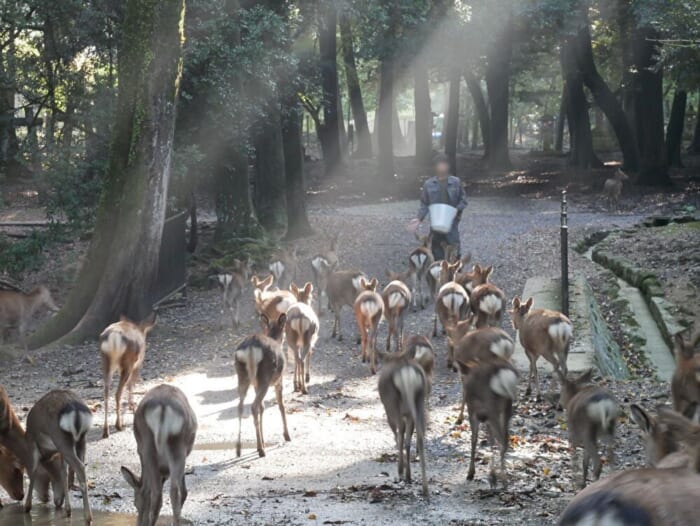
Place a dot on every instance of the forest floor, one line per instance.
(340, 466)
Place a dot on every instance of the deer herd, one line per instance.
(469, 310)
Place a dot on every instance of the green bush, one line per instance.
(17, 257)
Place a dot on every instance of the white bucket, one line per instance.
(441, 217)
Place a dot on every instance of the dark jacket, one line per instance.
(456, 197)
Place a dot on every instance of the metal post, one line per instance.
(564, 255)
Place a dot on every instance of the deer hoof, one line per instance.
(105, 433)
(286, 437)
(470, 475)
(261, 453)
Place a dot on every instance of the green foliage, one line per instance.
(17, 257)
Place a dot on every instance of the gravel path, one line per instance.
(339, 467)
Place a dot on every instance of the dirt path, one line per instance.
(339, 467)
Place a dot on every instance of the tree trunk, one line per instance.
(424, 114)
(582, 154)
(649, 111)
(498, 85)
(452, 120)
(482, 111)
(674, 132)
(694, 147)
(604, 97)
(297, 218)
(122, 262)
(362, 136)
(9, 145)
(269, 170)
(385, 111)
(475, 131)
(329, 84)
(561, 121)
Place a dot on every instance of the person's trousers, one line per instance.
(439, 240)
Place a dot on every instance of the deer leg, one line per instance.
(302, 376)
(123, 378)
(236, 313)
(389, 332)
(32, 471)
(373, 346)
(68, 450)
(243, 384)
(107, 373)
(178, 491)
(492, 463)
(474, 424)
(257, 410)
(400, 436)
(460, 418)
(420, 449)
(308, 366)
(336, 322)
(280, 405)
(407, 444)
(586, 461)
(414, 290)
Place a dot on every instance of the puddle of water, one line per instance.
(221, 446)
(13, 515)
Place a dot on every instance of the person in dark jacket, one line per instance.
(447, 189)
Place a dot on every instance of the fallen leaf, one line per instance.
(312, 516)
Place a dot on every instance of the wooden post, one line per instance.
(564, 255)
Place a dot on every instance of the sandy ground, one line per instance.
(340, 467)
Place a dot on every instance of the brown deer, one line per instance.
(434, 274)
(260, 360)
(11, 475)
(612, 189)
(490, 389)
(451, 306)
(646, 496)
(321, 266)
(543, 333)
(268, 301)
(302, 332)
(232, 285)
(17, 309)
(343, 287)
(419, 348)
(488, 303)
(480, 346)
(478, 276)
(403, 390)
(369, 309)
(591, 414)
(661, 447)
(456, 331)
(397, 299)
(284, 267)
(14, 443)
(685, 383)
(123, 349)
(419, 261)
(58, 423)
(165, 427)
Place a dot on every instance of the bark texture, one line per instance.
(674, 132)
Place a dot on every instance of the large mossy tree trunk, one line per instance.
(649, 110)
(674, 131)
(362, 136)
(424, 114)
(327, 45)
(452, 119)
(604, 97)
(385, 113)
(694, 147)
(270, 184)
(561, 122)
(582, 154)
(122, 262)
(498, 85)
(482, 110)
(295, 187)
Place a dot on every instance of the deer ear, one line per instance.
(516, 302)
(363, 282)
(641, 418)
(374, 283)
(585, 377)
(265, 320)
(281, 320)
(122, 317)
(488, 271)
(294, 289)
(268, 280)
(308, 288)
(444, 265)
(130, 478)
(528, 303)
(477, 268)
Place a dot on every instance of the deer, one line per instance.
(612, 189)
(165, 427)
(419, 348)
(542, 332)
(490, 388)
(458, 330)
(343, 287)
(661, 447)
(434, 274)
(15, 453)
(451, 306)
(644, 496)
(123, 349)
(397, 300)
(419, 260)
(284, 267)
(232, 285)
(480, 346)
(403, 389)
(369, 309)
(322, 265)
(11, 475)
(18, 308)
(487, 303)
(58, 423)
(591, 413)
(685, 383)
(302, 329)
(268, 301)
(260, 360)
(478, 276)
